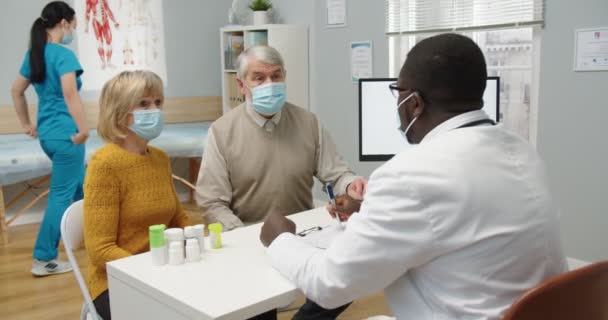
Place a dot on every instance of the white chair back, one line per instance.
(72, 236)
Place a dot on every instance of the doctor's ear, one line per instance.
(417, 104)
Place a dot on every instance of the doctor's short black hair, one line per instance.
(447, 70)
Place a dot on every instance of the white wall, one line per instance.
(572, 117)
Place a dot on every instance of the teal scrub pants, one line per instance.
(67, 177)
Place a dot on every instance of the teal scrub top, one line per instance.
(54, 121)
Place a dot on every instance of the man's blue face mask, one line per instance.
(268, 99)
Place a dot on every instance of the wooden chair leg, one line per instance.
(3, 225)
(185, 182)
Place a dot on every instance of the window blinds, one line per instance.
(436, 16)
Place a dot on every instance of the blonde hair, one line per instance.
(119, 96)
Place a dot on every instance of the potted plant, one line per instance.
(260, 11)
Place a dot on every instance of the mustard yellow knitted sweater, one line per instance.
(125, 193)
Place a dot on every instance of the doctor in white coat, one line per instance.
(455, 227)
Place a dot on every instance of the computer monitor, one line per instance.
(379, 139)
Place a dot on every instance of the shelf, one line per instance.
(230, 70)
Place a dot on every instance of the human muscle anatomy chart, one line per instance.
(119, 35)
(99, 14)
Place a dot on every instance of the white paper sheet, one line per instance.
(591, 49)
(323, 238)
(336, 13)
(361, 60)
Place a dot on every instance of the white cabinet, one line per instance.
(290, 40)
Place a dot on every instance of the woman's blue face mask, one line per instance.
(147, 124)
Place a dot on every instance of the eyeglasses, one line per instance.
(305, 232)
(395, 90)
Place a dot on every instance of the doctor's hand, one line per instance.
(274, 225)
(357, 188)
(344, 208)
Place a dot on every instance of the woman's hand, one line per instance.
(30, 131)
(80, 137)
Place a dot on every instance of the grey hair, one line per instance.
(264, 54)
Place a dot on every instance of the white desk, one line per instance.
(235, 282)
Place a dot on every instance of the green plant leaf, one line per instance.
(260, 5)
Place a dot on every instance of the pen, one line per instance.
(332, 198)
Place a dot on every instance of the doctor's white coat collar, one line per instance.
(456, 122)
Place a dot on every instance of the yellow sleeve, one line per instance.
(102, 213)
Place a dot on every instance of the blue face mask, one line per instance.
(268, 99)
(67, 38)
(147, 124)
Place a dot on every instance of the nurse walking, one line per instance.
(61, 125)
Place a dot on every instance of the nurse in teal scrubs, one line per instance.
(61, 126)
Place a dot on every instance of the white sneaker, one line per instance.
(47, 268)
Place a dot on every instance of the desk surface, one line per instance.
(235, 282)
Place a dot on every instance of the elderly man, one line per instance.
(456, 227)
(262, 156)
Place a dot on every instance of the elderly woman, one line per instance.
(128, 185)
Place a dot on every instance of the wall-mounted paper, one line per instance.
(336, 13)
(361, 60)
(591, 49)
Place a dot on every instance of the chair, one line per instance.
(72, 235)
(578, 294)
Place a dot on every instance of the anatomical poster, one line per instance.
(118, 35)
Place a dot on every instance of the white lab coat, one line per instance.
(456, 227)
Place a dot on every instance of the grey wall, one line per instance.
(572, 107)
(571, 138)
(191, 39)
(15, 25)
(572, 111)
(335, 97)
(192, 50)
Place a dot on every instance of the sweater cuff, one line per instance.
(228, 221)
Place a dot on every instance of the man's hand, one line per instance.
(356, 189)
(344, 208)
(274, 225)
